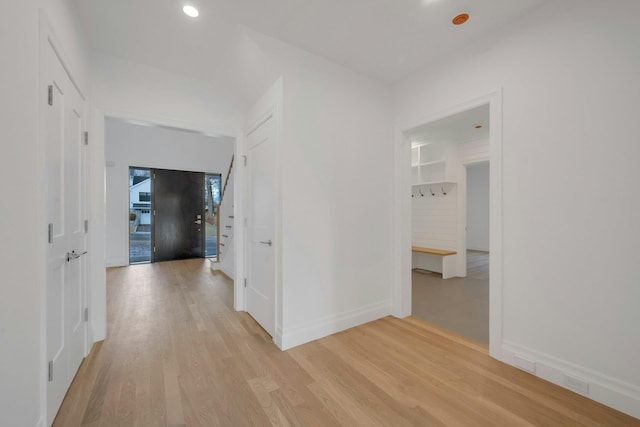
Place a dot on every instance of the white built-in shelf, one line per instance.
(433, 163)
(430, 165)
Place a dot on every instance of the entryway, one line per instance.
(450, 223)
(172, 214)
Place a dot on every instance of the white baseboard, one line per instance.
(229, 272)
(116, 262)
(609, 391)
(310, 331)
(477, 248)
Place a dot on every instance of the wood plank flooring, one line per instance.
(178, 355)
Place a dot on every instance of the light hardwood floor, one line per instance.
(177, 354)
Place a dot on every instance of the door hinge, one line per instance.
(50, 94)
(154, 212)
(86, 137)
(50, 233)
(86, 314)
(50, 374)
(245, 282)
(154, 249)
(244, 158)
(86, 225)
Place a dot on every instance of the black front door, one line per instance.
(178, 201)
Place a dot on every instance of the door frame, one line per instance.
(269, 105)
(97, 117)
(401, 294)
(463, 209)
(46, 40)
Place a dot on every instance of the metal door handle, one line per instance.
(268, 242)
(198, 221)
(73, 255)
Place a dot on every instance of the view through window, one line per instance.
(211, 202)
(139, 215)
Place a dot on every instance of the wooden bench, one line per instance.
(442, 264)
(431, 251)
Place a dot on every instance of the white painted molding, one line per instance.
(116, 262)
(402, 212)
(602, 388)
(287, 338)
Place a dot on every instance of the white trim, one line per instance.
(117, 262)
(306, 332)
(401, 296)
(612, 392)
(40, 423)
(166, 122)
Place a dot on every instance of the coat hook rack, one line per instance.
(431, 191)
(443, 192)
(421, 193)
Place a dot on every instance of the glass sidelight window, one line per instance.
(139, 215)
(211, 202)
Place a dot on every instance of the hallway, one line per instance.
(177, 354)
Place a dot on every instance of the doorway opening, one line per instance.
(450, 222)
(477, 220)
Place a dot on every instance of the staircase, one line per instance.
(226, 260)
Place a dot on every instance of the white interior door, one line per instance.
(261, 145)
(66, 267)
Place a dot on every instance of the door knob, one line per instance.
(268, 242)
(73, 255)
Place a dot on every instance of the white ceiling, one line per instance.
(458, 128)
(384, 39)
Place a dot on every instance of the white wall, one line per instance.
(154, 147)
(127, 89)
(478, 207)
(23, 231)
(336, 215)
(434, 218)
(569, 74)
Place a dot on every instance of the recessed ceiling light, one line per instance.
(460, 19)
(190, 11)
